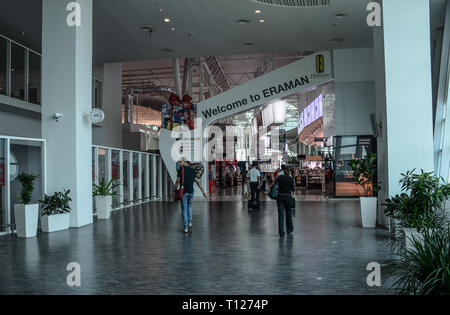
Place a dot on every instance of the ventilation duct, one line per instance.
(295, 3)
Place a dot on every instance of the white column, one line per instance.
(154, 176)
(66, 89)
(139, 191)
(147, 177)
(403, 92)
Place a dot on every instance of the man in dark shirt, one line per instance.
(286, 188)
(188, 184)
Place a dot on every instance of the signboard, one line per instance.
(301, 75)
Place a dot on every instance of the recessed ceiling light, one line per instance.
(243, 21)
(173, 28)
(337, 40)
(340, 15)
(257, 11)
(261, 21)
(167, 20)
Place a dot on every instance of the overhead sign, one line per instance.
(304, 74)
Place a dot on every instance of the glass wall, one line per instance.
(135, 176)
(3, 65)
(131, 190)
(115, 160)
(3, 207)
(102, 164)
(143, 170)
(158, 174)
(126, 190)
(34, 78)
(17, 71)
(25, 157)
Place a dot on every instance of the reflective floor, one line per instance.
(143, 250)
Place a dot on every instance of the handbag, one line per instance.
(179, 193)
(273, 192)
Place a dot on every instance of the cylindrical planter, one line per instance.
(56, 222)
(368, 212)
(26, 217)
(103, 206)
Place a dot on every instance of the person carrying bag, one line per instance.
(286, 188)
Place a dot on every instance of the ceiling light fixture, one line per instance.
(167, 20)
(257, 11)
(173, 28)
(340, 16)
(147, 29)
(261, 21)
(243, 21)
(191, 34)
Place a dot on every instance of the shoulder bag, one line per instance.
(179, 193)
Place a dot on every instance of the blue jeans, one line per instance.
(186, 209)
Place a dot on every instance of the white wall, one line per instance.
(354, 75)
(110, 132)
(19, 125)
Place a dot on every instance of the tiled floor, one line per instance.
(142, 250)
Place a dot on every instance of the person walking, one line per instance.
(186, 178)
(255, 182)
(263, 181)
(284, 201)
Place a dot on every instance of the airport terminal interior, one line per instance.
(346, 100)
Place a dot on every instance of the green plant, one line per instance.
(27, 182)
(106, 188)
(425, 268)
(56, 204)
(364, 173)
(421, 204)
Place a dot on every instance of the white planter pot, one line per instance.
(411, 234)
(368, 212)
(56, 222)
(26, 217)
(103, 205)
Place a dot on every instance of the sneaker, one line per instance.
(190, 226)
(291, 234)
(186, 231)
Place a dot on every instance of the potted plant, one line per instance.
(420, 206)
(364, 174)
(103, 193)
(26, 215)
(56, 212)
(425, 268)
